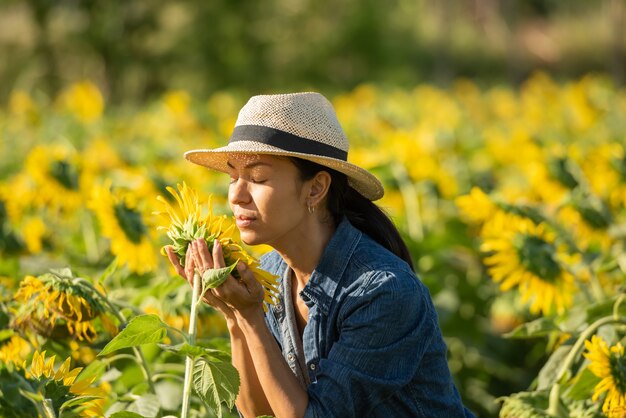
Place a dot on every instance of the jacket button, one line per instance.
(312, 366)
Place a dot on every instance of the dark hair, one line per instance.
(364, 214)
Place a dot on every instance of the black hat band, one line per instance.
(286, 141)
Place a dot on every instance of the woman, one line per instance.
(354, 332)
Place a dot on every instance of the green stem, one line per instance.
(137, 350)
(90, 238)
(116, 357)
(177, 331)
(411, 202)
(48, 408)
(616, 306)
(192, 340)
(158, 376)
(553, 407)
(596, 287)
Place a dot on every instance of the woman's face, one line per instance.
(267, 198)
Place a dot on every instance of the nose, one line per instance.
(238, 192)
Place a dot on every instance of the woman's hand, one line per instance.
(242, 295)
(187, 273)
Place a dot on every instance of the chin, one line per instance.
(249, 238)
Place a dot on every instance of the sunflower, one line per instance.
(476, 207)
(14, 350)
(523, 254)
(589, 231)
(124, 224)
(34, 232)
(55, 178)
(58, 304)
(211, 325)
(61, 385)
(83, 100)
(609, 364)
(186, 223)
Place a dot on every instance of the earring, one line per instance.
(311, 209)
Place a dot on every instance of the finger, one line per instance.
(173, 257)
(213, 300)
(203, 252)
(218, 255)
(195, 254)
(247, 276)
(189, 265)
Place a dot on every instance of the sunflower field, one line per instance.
(511, 199)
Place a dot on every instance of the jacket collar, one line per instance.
(324, 280)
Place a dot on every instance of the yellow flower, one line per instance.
(186, 222)
(42, 370)
(55, 174)
(57, 304)
(585, 234)
(209, 325)
(477, 207)
(33, 232)
(84, 100)
(523, 254)
(82, 353)
(14, 350)
(609, 364)
(21, 105)
(123, 223)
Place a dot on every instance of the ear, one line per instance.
(318, 188)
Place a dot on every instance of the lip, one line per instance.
(244, 221)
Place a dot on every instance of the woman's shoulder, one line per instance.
(373, 268)
(370, 256)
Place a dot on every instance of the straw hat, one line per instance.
(302, 125)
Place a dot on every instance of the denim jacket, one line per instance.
(372, 346)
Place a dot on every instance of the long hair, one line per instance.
(364, 214)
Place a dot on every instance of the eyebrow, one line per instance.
(250, 165)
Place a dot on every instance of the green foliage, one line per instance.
(215, 277)
(142, 329)
(216, 382)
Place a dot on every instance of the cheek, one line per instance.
(276, 205)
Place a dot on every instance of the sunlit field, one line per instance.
(512, 201)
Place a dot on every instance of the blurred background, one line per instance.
(137, 49)
(437, 97)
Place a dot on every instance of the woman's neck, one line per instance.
(304, 250)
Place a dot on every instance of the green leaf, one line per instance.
(537, 328)
(94, 370)
(147, 405)
(216, 382)
(125, 414)
(108, 272)
(583, 385)
(187, 349)
(548, 373)
(77, 401)
(213, 278)
(525, 405)
(142, 329)
(6, 334)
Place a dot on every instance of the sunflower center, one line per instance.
(559, 169)
(64, 173)
(536, 255)
(130, 222)
(618, 372)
